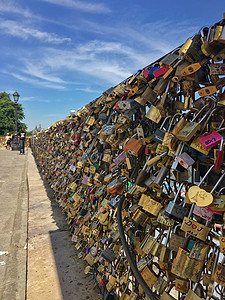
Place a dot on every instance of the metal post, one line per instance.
(16, 126)
(15, 144)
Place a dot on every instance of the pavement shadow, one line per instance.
(74, 283)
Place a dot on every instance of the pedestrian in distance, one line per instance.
(22, 138)
(7, 141)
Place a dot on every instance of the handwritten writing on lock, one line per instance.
(210, 139)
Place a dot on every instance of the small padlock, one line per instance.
(174, 210)
(185, 160)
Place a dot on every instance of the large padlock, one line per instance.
(201, 197)
(186, 267)
(191, 50)
(185, 130)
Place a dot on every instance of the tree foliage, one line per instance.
(7, 114)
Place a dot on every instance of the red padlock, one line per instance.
(219, 155)
(147, 151)
(145, 73)
(160, 72)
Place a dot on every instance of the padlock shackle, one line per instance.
(206, 174)
(199, 112)
(215, 186)
(223, 188)
(164, 121)
(171, 123)
(178, 192)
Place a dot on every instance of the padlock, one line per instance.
(176, 240)
(185, 266)
(159, 133)
(194, 228)
(218, 204)
(210, 139)
(186, 130)
(180, 66)
(203, 212)
(163, 172)
(191, 295)
(160, 72)
(154, 159)
(219, 274)
(175, 211)
(107, 129)
(170, 59)
(219, 155)
(185, 160)
(156, 112)
(147, 96)
(133, 147)
(169, 140)
(207, 91)
(201, 197)
(182, 285)
(143, 174)
(149, 276)
(193, 53)
(194, 67)
(150, 205)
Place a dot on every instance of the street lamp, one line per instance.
(15, 145)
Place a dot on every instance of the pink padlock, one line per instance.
(203, 213)
(210, 139)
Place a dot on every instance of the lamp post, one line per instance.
(15, 145)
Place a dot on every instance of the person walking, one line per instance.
(8, 141)
(22, 138)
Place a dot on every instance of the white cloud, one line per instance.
(18, 30)
(81, 5)
(28, 99)
(12, 7)
(38, 71)
(38, 82)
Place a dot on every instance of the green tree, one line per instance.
(7, 114)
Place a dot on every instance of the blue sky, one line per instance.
(61, 54)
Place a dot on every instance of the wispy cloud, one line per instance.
(9, 6)
(38, 71)
(36, 82)
(81, 5)
(19, 30)
(28, 99)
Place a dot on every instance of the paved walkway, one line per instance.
(37, 258)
